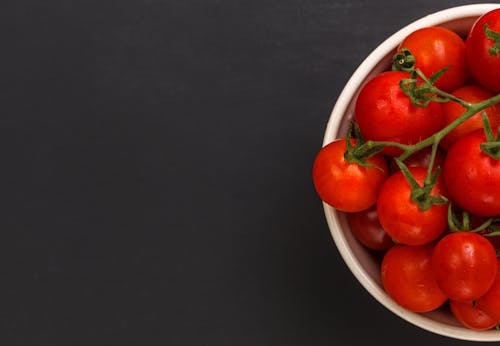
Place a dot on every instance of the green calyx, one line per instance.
(495, 37)
(361, 151)
(418, 87)
(421, 194)
(403, 61)
(492, 145)
(421, 90)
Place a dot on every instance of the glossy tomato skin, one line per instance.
(366, 228)
(402, 219)
(490, 301)
(464, 265)
(407, 278)
(384, 113)
(471, 315)
(452, 110)
(472, 178)
(483, 66)
(435, 48)
(344, 185)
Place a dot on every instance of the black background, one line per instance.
(156, 172)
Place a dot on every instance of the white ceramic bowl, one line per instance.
(363, 264)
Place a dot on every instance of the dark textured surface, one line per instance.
(156, 160)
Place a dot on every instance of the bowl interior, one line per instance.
(364, 263)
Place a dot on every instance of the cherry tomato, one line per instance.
(490, 301)
(435, 48)
(472, 316)
(384, 113)
(464, 265)
(483, 62)
(366, 228)
(344, 185)
(472, 178)
(453, 110)
(402, 218)
(407, 278)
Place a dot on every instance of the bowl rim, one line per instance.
(331, 132)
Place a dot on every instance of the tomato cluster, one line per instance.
(418, 175)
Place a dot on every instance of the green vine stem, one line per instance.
(445, 97)
(421, 91)
(457, 225)
(434, 139)
(409, 149)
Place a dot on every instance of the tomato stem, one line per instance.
(433, 140)
(421, 195)
(494, 36)
(492, 234)
(431, 162)
(421, 91)
(492, 145)
(453, 223)
(436, 137)
(464, 225)
(445, 97)
(403, 61)
(483, 226)
(359, 153)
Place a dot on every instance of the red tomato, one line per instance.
(435, 48)
(366, 228)
(472, 178)
(407, 278)
(464, 265)
(490, 301)
(453, 110)
(483, 63)
(344, 185)
(384, 113)
(472, 316)
(402, 219)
